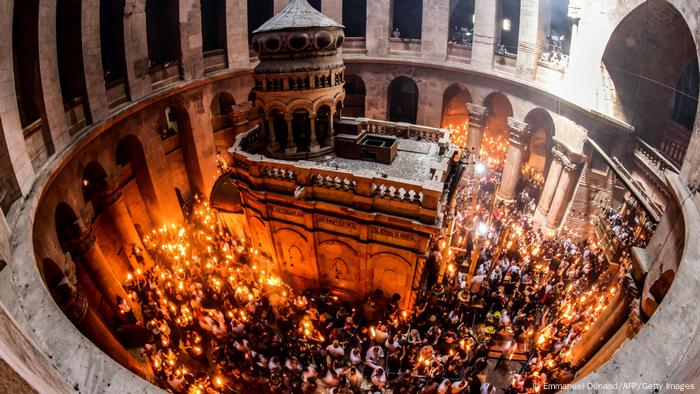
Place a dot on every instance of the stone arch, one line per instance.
(322, 122)
(130, 154)
(391, 273)
(221, 104)
(94, 180)
(294, 258)
(339, 267)
(454, 106)
(541, 141)
(645, 60)
(67, 225)
(176, 115)
(163, 31)
(220, 109)
(402, 100)
(226, 196)
(355, 93)
(500, 108)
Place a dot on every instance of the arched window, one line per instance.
(70, 56)
(454, 106)
(163, 31)
(213, 25)
(403, 100)
(25, 46)
(407, 18)
(508, 27)
(112, 40)
(355, 18)
(462, 22)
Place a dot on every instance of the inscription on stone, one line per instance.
(347, 224)
(287, 211)
(393, 233)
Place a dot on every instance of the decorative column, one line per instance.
(313, 144)
(272, 144)
(76, 308)
(88, 252)
(567, 182)
(519, 138)
(331, 128)
(484, 33)
(534, 14)
(291, 146)
(550, 185)
(477, 120)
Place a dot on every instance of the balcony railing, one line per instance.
(654, 160)
(367, 191)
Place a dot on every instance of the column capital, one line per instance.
(477, 114)
(520, 132)
(566, 159)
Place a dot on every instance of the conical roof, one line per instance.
(298, 14)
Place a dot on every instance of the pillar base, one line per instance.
(505, 199)
(290, 150)
(314, 147)
(274, 147)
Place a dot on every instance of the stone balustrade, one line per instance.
(368, 191)
(405, 130)
(654, 160)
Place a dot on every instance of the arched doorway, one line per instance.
(220, 109)
(94, 181)
(454, 106)
(649, 55)
(132, 163)
(226, 199)
(403, 100)
(499, 110)
(355, 93)
(541, 141)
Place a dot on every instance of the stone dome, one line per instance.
(299, 32)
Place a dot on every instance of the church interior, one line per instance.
(349, 196)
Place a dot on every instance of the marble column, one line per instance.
(550, 185)
(89, 254)
(272, 144)
(291, 145)
(484, 33)
(330, 139)
(76, 308)
(563, 194)
(477, 120)
(313, 143)
(534, 15)
(519, 139)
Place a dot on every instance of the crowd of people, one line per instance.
(222, 322)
